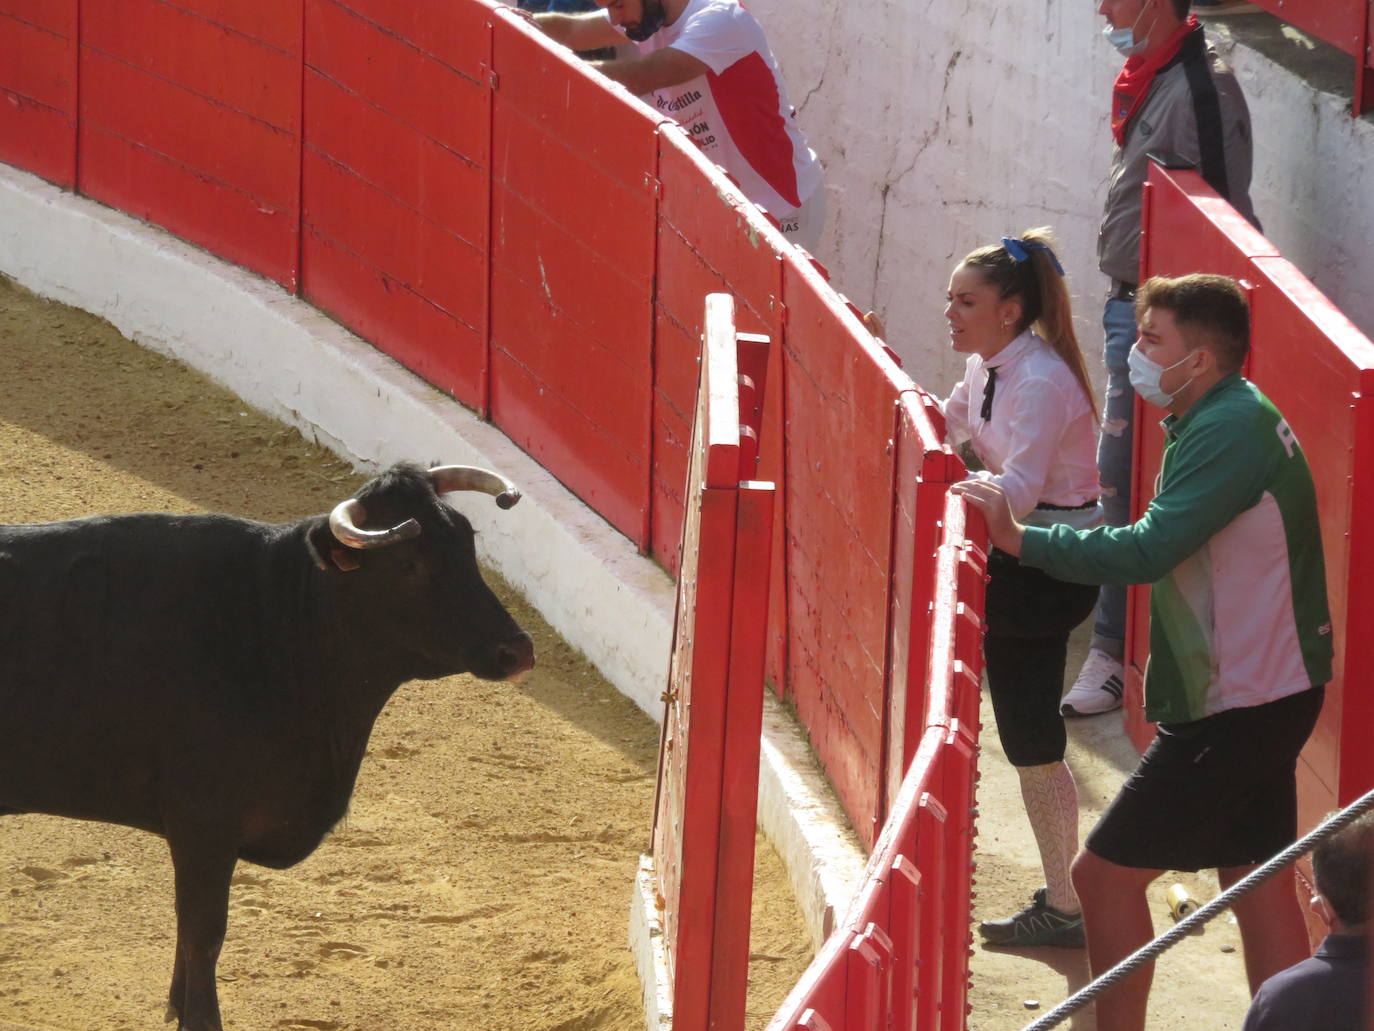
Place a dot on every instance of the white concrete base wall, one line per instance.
(651, 956)
(285, 358)
(944, 126)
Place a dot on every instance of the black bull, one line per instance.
(215, 680)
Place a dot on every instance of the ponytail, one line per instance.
(1026, 268)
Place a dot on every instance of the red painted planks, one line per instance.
(276, 24)
(37, 139)
(400, 80)
(706, 243)
(407, 166)
(566, 101)
(37, 64)
(552, 176)
(58, 16)
(38, 87)
(418, 334)
(219, 63)
(841, 410)
(223, 220)
(203, 136)
(567, 441)
(420, 255)
(194, 125)
(454, 33)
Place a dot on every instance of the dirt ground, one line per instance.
(482, 879)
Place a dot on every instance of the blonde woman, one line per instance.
(1026, 406)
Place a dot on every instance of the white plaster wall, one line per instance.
(1314, 181)
(945, 125)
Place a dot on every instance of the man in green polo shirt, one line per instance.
(1240, 638)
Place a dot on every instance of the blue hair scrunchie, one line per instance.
(1020, 251)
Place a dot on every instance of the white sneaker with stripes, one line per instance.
(1098, 687)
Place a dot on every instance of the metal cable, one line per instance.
(1131, 963)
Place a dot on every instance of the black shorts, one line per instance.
(1219, 791)
(1030, 615)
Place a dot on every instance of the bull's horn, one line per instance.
(469, 477)
(344, 520)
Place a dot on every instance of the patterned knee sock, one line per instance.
(1051, 799)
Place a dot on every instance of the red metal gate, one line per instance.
(705, 812)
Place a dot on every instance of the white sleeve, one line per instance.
(718, 35)
(1036, 423)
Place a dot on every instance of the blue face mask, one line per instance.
(1123, 40)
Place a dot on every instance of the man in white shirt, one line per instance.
(707, 65)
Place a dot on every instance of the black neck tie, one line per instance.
(989, 388)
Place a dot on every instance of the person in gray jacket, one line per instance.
(1176, 99)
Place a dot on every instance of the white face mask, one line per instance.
(1146, 374)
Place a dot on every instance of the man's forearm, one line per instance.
(558, 27)
(578, 31)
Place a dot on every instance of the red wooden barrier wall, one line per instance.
(190, 117)
(572, 273)
(38, 95)
(1319, 370)
(395, 180)
(706, 810)
(841, 406)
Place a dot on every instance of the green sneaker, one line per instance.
(1037, 924)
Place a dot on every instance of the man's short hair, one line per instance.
(1343, 866)
(1209, 310)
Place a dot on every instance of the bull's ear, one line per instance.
(324, 550)
(317, 540)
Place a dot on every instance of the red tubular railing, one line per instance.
(900, 957)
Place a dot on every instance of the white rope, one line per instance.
(1139, 958)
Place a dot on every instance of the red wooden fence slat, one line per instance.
(195, 126)
(225, 146)
(456, 34)
(38, 87)
(924, 468)
(255, 78)
(700, 250)
(740, 758)
(437, 103)
(840, 390)
(597, 291)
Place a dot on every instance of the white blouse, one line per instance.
(1040, 442)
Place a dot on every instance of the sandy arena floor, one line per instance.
(483, 877)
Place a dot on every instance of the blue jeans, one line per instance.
(1114, 461)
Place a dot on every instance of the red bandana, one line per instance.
(1133, 83)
